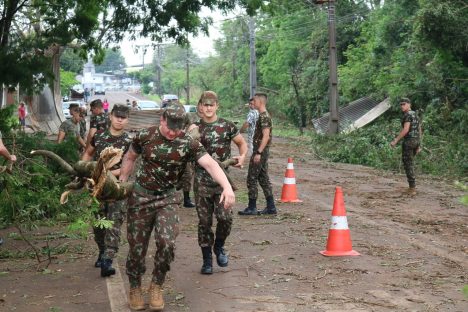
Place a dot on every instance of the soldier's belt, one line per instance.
(137, 187)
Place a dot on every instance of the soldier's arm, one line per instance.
(401, 135)
(91, 133)
(242, 146)
(89, 153)
(265, 139)
(244, 127)
(81, 141)
(212, 167)
(61, 136)
(4, 152)
(128, 164)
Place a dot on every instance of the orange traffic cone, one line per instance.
(339, 237)
(289, 191)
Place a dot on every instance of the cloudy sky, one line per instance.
(202, 45)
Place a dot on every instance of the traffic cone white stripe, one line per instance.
(289, 181)
(290, 166)
(339, 223)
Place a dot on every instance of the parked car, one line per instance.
(148, 105)
(99, 90)
(190, 108)
(169, 98)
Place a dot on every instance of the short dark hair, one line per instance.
(261, 94)
(120, 110)
(96, 103)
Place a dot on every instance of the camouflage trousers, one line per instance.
(108, 240)
(207, 205)
(258, 172)
(408, 151)
(147, 213)
(187, 178)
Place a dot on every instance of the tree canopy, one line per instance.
(31, 32)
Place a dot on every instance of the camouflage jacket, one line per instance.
(83, 128)
(413, 119)
(99, 122)
(162, 159)
(103, 139)
(216, 137)
(264, 121)
(70, 128)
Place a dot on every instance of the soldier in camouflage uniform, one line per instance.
(165, 151)
(71, 127)
(258, 166)
(99, 119)
(250, 123)
(108, 239)
(216, 135)
(411, 135)
(186, 180)
(83, 123)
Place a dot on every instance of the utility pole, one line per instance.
(158, 69)
(333, 124)
(188, 77)
(253, 58)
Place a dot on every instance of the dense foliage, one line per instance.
(385, 49)
(33, 32)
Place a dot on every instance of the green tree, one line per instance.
(32, 32)
(113, 60)
(71, 61)
(67, 80)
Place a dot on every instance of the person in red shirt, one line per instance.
(105, 105)
(22, 115)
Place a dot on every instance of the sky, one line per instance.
(202, 45)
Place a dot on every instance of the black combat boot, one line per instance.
(221, 257)
(207, 267)
(187, 201)
(270, 208)
(251, 210)
(106, 268)
(98, 262)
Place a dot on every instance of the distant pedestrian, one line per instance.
(86, 95)
(22, 115)
(411, 135)
(105, 105)
(258, 166)
(216, 135)
(99, 119)
(128, 102)
(153, 205)
(250, 123)
(108, 239)
(134, 105)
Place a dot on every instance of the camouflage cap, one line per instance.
(175, 116)
(405, 100)
(120, 110)
(208, 97)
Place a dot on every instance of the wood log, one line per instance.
(66, 166)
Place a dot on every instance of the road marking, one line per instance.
(116, 292)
